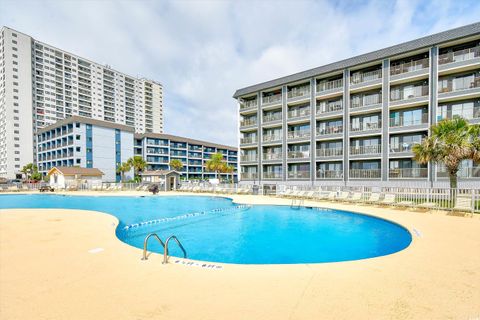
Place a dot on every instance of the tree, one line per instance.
(138, 165)
(28, 170)
(450, 142)
(36, 176)
(215, 163)
(229, 169)
(122, 168)
(176, 165)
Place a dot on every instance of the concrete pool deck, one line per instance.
(47, 272)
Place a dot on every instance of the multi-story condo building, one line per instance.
(41, 84)
(87, 143)
(159, 149)
(354, 122)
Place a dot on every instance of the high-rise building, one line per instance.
(41, 84)
(354, 122)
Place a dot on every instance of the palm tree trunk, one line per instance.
(452, 175)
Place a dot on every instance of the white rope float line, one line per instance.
(185, 216)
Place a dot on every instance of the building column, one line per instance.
(259, 137)
(385, 117)
(313, 127)
(284, 133)
(346, 125)
(432, 104)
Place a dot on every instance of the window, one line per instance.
(77, 137)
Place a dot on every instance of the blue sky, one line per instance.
(202, 51)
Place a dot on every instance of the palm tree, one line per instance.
(138, 165)
(176, 165)
(122, 168)
(450, 142)
(215, 163)
(229, 169)
(29, 169)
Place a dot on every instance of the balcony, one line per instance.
(329, 107)
(248, 105)
(329, 130)
(299, 174)
(298, 134)
(360, 79)
(272, 175)
(248, 140)
(459, 58)
(272, 117)
(271, 156)
(402, 121)
(248, 175)
(408, 95)
(248, 122)
(330, 174)
(409, 69)
(366, 100)
(298, 113)
(408, 173)
(365, 174)
(298, 155)
(402, 148)
(329, 152)
(249, 158)
(298, 93)
(463, 173)
(374, 149)
(330, 86)
(451, 91)
(272, 99)
(271, 138)
(366, 126)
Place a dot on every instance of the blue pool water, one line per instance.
(252, 235)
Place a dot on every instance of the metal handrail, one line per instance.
(165, 251)
(145, 244)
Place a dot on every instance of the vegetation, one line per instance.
(216, 164)
(230, 170)
(138, 165)
(176, 165)
(450, 142)
(122, 169)
(31, 172)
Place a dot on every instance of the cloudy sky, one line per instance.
(202, 51)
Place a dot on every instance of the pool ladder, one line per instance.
(297, 203)
(164, 245)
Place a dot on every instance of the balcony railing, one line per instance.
(408, 173)
(248, 104)
(248, 157)
(449, 88)
(415, 92)
(248, 122)
(329, 174)
(329, 130)
(468, 172)
(408, 121)
(329, 85)
(272, 117)
(365, 100)
(272, 99)
(272, 137)
(272, 175)
(332, 106)
(298, 154)
(410, 66)
(360, 77)
(372, 149)
(298, 113)
(366, 126)
(404, 147)
(459, 55)
(248, 175)
(299, 134)
(365, 173)
(303, 174)
(272, 156)
(248, 140)
(298, 92)
(329, 152)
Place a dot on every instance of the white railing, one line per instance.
(403, 147)
(248, 122)
(272, 99)
(329, 174)
(303, 174)
(272, 137)
(449, 87)
(331, 106)
(410, 66)
(272, 175)
(248, 157)
(329, 152)
(272, 156)
(248, 175)
(247, 104)
(329, 85)
(372, 149)
(408, 173)
(366, 126)
(297, 92)
(299, 134)
(398, 94)
(365, 173)
(298, 154)
(459, 55)
(272, 117)
(409, 121)
(364, 100)
(360, 77)
(466, 172)
(248, 140)
(298, 113)
(329, 130)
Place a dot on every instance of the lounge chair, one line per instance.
(310, 195)
(464, 204)
(300, 194)
(356, 197)
(286, 193)
(374, 198)
(389, 199)
(344, 195)
(427, 205)
(13, 188)
(332, 195)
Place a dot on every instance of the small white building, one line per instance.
(63, 177)
(166, 179)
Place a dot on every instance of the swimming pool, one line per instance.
(217, 230)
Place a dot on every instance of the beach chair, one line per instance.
(13, 188)
(310, 195)
(374, 198)
(389, 199)
(427, 205)
(287, 193)
(356, 197)
(332, 195)
(463, 203)
(344, 195)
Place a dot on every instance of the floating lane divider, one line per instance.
(186, 216)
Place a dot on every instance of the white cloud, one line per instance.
(202, 51)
